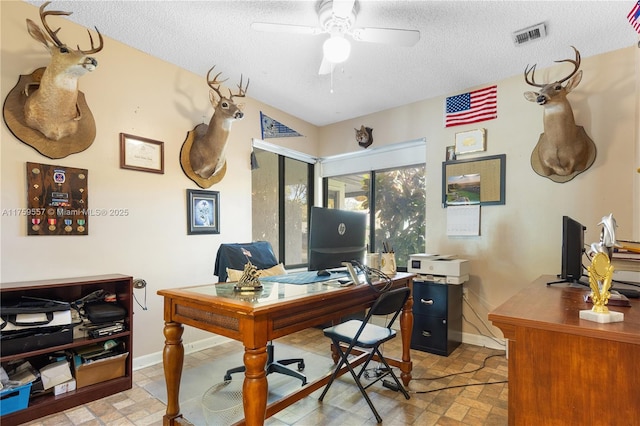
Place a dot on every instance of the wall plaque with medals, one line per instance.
(57, 200)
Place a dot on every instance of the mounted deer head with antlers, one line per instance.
(47, 105)
(52, 108)
(564, 149)
(203, 153)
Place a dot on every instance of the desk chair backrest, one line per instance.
(389, 302)
(236, 255)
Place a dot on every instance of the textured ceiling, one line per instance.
(463, 44)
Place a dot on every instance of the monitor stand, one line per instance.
(568, 281)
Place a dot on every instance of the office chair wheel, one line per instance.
(300, 366)
(227, 377)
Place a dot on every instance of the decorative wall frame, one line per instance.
(203, 212)
(450, 153)
(471, 141)
(57, 200)
(138, 153)
(492, 171)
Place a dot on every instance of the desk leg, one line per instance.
(406, 328)
(255, 387)
(172, 358)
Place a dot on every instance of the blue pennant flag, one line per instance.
(274, 129)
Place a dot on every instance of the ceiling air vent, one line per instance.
(530, 34)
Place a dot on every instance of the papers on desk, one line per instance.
(463, 220)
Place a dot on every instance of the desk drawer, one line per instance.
(430, 299)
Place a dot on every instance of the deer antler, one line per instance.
(532, 70)
(241, 92)
(43, 18)
(215, 81)
(54, 34)
(576, 64)
(93, 49)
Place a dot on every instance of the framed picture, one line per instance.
(474, 181)
(137, 153)
(203, 212)
(450, 153)
(471, 141)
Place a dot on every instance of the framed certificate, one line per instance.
(471, 141)
(137, 153)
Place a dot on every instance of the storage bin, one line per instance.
(100, 370)
(14, 399)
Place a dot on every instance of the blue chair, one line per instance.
(261, 255)
(363, 334)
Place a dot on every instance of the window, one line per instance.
(397, 199)
(282, 188)
(385, 180)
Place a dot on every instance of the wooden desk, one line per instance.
(564, 370)
(254, 320)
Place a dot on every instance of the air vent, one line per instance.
(530, 34)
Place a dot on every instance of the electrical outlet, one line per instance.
(138, 283)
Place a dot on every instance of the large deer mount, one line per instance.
(564, 150)
(202, 155)
(45, 109)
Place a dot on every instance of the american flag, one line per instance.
(472, 107)
(634, 17)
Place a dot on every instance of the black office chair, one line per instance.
(261, 255)
(362, 334)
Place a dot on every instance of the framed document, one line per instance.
(137, 153)
(471, 141)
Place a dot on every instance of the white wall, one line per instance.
(521, 240)
(133, 93)
(129, 92)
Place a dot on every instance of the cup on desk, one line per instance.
(372, 260)
(388, 263)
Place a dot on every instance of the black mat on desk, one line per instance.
(304, 277)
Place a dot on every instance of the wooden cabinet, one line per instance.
(69, 290)
(437, 317)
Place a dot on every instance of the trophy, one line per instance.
(601, 274)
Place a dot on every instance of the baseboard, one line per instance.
(478, 340)
(156, 357)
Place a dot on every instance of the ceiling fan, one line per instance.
(337, 18)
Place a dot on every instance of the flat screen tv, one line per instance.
(572, 250)
(335, 236)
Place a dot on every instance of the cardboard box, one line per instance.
(64, 387)
(14, 399)
(100, 370)
(54, 374)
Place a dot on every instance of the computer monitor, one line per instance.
(335, 236)
(572, 251)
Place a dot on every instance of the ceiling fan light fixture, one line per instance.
(336, 49)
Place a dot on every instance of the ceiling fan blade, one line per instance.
(325, 67)
(394, 36)
(342, 8)
(285, 28)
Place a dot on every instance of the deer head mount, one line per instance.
(564, 150)
(46, 108)
(203, 152)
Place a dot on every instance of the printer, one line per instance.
(444, 269)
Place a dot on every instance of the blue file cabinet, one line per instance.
(437, 317)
